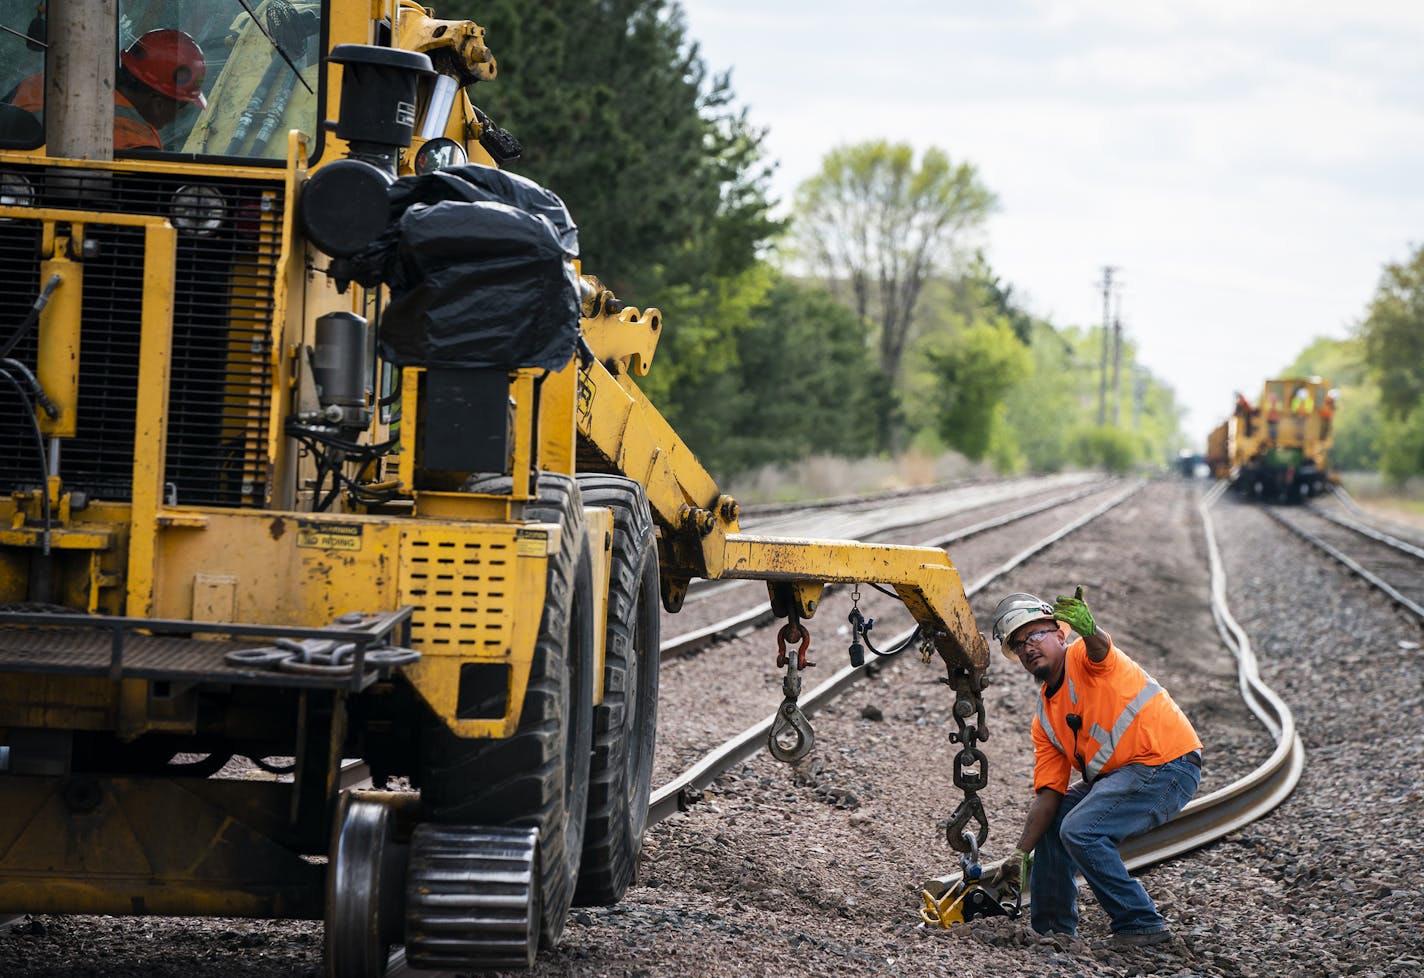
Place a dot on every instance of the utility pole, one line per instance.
(1117, 365)
(1107, 284)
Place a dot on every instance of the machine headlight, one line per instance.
(198, 209)
(16, 191)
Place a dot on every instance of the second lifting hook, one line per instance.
(791, 737)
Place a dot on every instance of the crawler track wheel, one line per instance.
(472, 898)
(537, 778)
(625, 723)
(363, 892)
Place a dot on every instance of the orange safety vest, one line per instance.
(131, 130)
(1122, 717)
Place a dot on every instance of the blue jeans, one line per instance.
(1084, 837)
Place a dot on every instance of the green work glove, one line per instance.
(1012, 871)
(1075, 612)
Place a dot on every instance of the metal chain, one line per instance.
(971, 765)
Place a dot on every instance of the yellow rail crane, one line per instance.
(319, 449)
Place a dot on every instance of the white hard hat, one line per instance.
(1015, 611)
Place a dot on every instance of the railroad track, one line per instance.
(1387, 563)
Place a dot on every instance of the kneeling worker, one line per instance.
(1137, 753)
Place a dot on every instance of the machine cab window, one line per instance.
(225, 80)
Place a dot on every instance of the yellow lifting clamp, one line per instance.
(970, 896)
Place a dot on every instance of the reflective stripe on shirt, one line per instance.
(1107, 739)
(1047, 726)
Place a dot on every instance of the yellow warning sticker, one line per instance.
(532, 543)
(329, 536)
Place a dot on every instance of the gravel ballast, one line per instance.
(815, 869)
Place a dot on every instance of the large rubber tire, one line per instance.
(625, 724)
(539, 776)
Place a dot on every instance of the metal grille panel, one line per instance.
(462, 590)
(221, 381)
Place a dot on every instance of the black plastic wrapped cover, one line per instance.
(479, 264)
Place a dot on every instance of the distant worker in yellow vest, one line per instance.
(1139, 758)
(1300, 406)
(158, 74)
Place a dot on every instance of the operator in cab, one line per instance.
(158, 75)
(1137, 756)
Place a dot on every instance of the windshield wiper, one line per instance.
(275, 46)
(34, 43)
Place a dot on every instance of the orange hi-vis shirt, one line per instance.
(131, 130)
(1124, 718)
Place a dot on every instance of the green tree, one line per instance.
(1051, 411)
(619, 115)
(1393, 336)
(976, 369)
(1401, 445)
(878, 222)
(1105, 447)
(765, 370)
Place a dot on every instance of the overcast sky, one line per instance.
(1248, 166)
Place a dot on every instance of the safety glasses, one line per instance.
(1036, 636)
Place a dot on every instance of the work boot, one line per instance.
(1141, 938)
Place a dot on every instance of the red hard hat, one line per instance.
(169, 62)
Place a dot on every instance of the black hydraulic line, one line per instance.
(39, 447)
(33, 315)
(253, 109)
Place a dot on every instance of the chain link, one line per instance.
(971, 765)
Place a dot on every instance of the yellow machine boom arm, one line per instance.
(700, 532)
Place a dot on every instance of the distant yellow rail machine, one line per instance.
(1278, 448)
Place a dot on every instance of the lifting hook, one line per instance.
(791, 737)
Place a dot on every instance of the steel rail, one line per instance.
(760, 614)
(1349, 503)
(1373, 579)
(1363, 528)
(1209, 817)
(681, 792)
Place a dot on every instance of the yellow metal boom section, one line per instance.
(700, 533)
